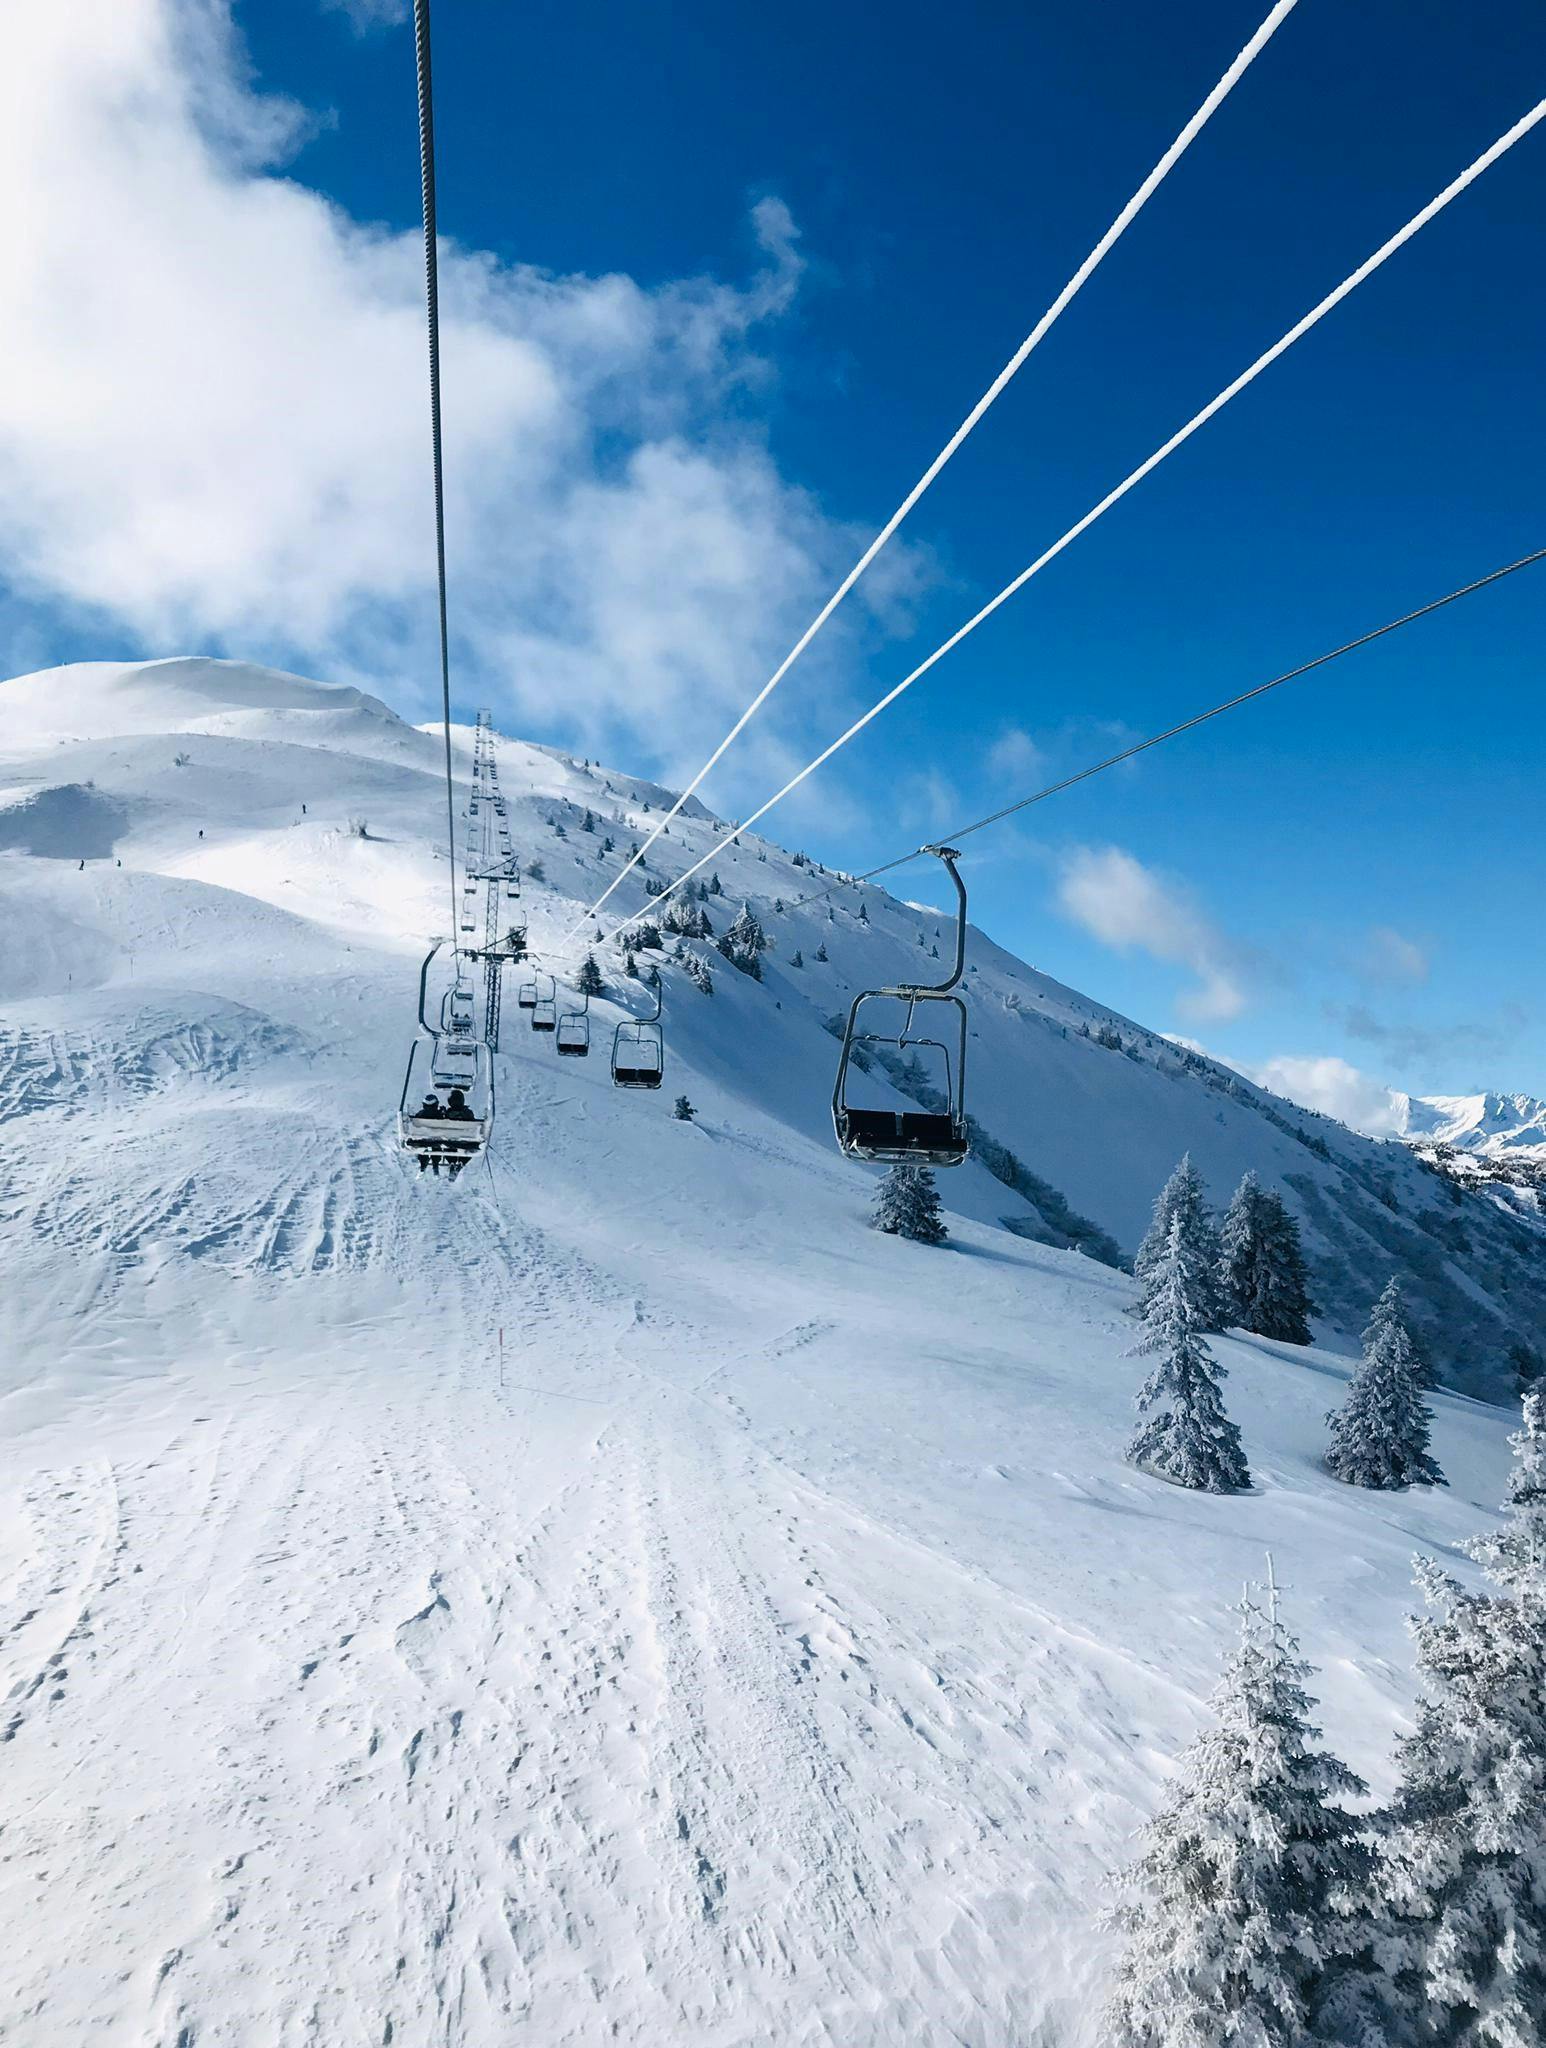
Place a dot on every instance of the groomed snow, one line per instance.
(617, 1596)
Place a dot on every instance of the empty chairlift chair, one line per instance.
(456, 1014)
(638, 1050)
(921, 1137)
(544, 1011)
(573, 1039)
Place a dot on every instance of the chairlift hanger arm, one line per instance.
(906, 990)
(424, 983)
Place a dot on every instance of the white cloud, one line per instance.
(1124, 904)
(1014, 753)
(1337, 1089)
(1391, 956)
(366, 15)
(213, 416)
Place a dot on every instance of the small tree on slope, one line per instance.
(1262, 1277)
(1243, 1927)
(1379, 1436)
(1463, 1847)
(907, 1205)
(1183, 1197)
(1187, 1437)
(588, 981)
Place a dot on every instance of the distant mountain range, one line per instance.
(1495, 1126)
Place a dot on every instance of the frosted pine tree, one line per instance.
(1262, 1276)
(1183, 1196)
(1241, 1914)
(1187, 1437)
(907, 1205)
(1463, 1849)
(1379, 1436)
(588, 981)
(1515, 1556)
(1392, 1306)
(744, 943)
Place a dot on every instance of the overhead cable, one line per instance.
(1108, 241)
(1301, 327)
(1171, 732)
(432, 310)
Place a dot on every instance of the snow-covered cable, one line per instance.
(1264, 361)
(1171, 732)
(1108, 241)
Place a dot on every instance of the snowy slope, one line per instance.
(616, 1594)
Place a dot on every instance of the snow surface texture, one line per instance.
(762, 1639)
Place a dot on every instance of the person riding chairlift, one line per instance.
(457, 1107)
(430, 1106)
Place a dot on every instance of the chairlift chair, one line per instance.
(446, 1110)
(573, 1039)
(638, 1049)
(544, 1008)
(911, 1137)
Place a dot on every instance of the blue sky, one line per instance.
(831, 225)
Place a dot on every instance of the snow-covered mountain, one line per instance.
(1493, 1126)
(615, 1593)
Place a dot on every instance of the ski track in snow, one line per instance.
(763, 1643)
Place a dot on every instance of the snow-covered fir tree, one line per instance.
(1241, 1911)
(1379, 1436)
(687, 918)
(697, 971)
(1186, 1435)
(1182, 1198)
(684, 1111)
(1462, 1850)
(821, 952)
(907, 1205)
(744, 943)
(1392, 1306)
(588, 981)
(797, 959)
(1263, 1280)
(1515, 1555)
